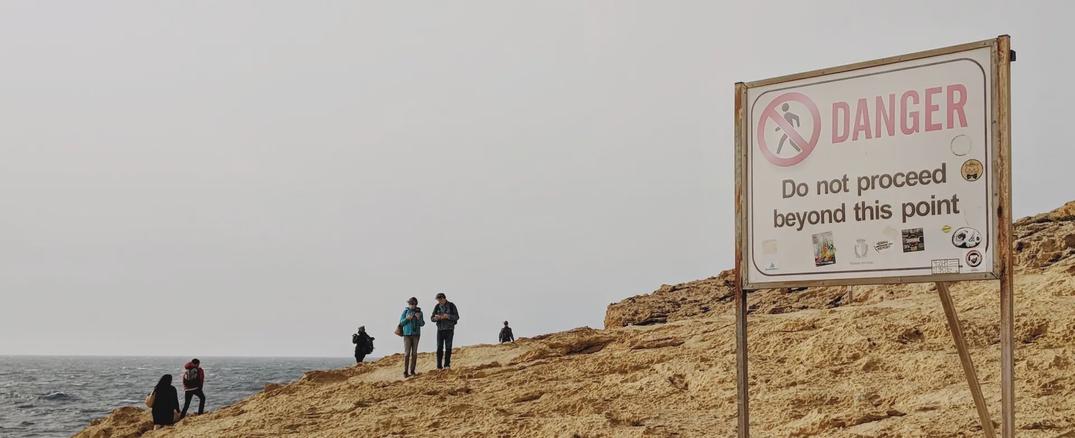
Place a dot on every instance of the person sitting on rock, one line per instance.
(164, 402)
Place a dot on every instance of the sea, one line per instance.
(57, 396)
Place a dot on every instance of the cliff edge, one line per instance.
(876, 362)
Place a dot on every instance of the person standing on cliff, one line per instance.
(506, 335)
(410, 327)
(193, 383)
(363, 344)
(445, 314)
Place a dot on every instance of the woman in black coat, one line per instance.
(165, 402)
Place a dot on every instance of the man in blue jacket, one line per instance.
(445, 314)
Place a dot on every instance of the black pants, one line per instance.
(201, 401)
(359, 357)
(444, 348)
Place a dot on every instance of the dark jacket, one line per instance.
(506, 335)
(362, 342)
(447, 309)
(197, 383)
(165, 405)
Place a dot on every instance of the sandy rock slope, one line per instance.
(879, 363)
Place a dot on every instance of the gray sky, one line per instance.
(261, 177)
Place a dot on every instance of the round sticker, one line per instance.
(974, 258)
(972, 170)
(966, 237)
(960, 145)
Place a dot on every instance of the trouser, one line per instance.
(188, 396)
(444, 347)
(410, 353)
(359, 357)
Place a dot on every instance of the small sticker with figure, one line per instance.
(974, 258)
(913, 240)
(824, 249)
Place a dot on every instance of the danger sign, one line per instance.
(875, 173)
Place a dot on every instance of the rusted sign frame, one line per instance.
(1002, 261)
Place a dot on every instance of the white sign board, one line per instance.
(876, 174)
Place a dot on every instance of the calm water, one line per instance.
(58, 396)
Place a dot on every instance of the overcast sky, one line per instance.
(261, 177)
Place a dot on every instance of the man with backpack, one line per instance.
(193, 381)
(445, 315)
(506, 335)
(363, 344)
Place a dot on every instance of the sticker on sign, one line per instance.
(945, 266)
(856, 176)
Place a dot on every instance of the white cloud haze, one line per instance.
(261, 177)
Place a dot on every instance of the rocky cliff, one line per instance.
(876, 362)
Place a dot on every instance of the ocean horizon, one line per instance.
(58, 395)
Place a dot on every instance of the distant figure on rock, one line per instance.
(410, 327)
(363, 344)
(164, 402)
(506, 335)
(445, 314)
(193, 383)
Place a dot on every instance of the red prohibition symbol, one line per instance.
(790, 133)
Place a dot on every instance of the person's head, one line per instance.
(412, 302)
(362, 329)
(164, 382)
(505, 323)
(441, 298)
(784, 107)
(196, 362)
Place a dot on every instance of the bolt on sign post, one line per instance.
(888, 171)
